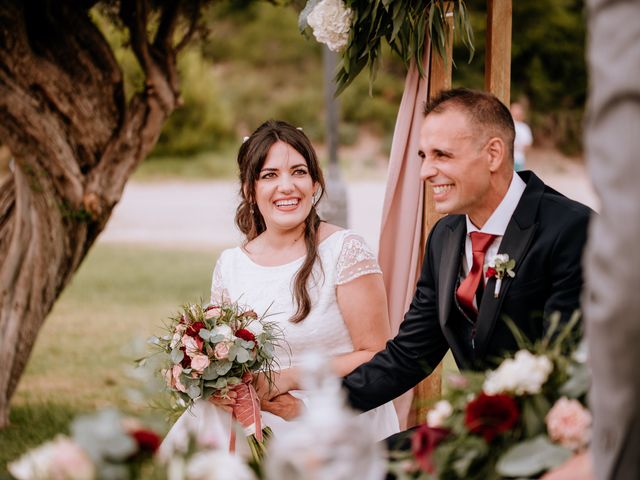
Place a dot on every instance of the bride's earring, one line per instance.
(251, 209)
(314, 198)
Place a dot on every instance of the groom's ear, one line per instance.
(497, 153)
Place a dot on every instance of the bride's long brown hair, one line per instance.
(249, 220)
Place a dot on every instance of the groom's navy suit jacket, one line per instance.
(545, 237)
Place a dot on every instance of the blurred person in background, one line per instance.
(523, 139)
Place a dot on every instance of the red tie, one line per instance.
(467, 290)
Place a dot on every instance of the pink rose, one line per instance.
(221, 351)
(175, 381)
(192, 345)
(457, 381)
(212, 311)
(569, 424)
(200, 362)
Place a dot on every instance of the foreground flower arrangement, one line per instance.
(519, 420)
(211, 350)
(101, 445)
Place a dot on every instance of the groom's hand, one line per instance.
(286, 406)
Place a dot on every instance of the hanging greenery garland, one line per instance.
(358, 28)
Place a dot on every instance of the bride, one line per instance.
(320, 283)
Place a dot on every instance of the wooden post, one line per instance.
(497, 62)
(439, 79)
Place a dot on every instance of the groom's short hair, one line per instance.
(485, 111)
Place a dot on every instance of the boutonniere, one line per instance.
(498, 267)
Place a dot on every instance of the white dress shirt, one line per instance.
(495, 225)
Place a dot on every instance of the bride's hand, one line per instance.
(224, 402)
(281, 382)
(285, 406)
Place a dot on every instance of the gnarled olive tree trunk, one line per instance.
(75, 142)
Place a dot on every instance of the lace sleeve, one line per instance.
(219, 293)
(355, 260)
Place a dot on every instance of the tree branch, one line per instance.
(168, 20)
(193, 26)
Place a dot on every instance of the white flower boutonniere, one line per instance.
(498, 267)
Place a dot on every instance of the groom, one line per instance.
(466, 148)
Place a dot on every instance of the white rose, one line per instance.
(439, 413)
(223, 330)
(256, 328)
(330, 21)
(217, 465)
(524, 374)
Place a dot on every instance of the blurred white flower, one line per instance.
(217, 465)
(330, 21)
(59, 459)
(439, 413)
(526, 373)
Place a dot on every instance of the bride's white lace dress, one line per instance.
(344, 257)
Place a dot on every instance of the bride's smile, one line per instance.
(284, 189)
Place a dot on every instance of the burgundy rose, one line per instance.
(194, 329)
(491, 272)
(186, 359)
(246, 335)
(423, 443)
(147, 440)
(491, 415)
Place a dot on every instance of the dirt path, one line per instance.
(200, 214)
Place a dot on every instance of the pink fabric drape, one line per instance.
(402, 212)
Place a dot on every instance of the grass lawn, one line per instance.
(119, 297)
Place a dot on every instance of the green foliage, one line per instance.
(401, 24)
(255, 65)
(204, 120)
(50, 416)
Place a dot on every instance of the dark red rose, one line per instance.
(245, 334)
(147, 440)
(186, 360)
(491, 272)
(424, 441)
(491, 415)
(194, 329)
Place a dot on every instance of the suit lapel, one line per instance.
(450, 268)
(515, 243)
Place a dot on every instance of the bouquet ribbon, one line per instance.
(246, 411)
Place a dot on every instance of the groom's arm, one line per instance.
(409, 357)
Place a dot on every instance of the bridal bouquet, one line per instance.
(519, 420)
(211, 350)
